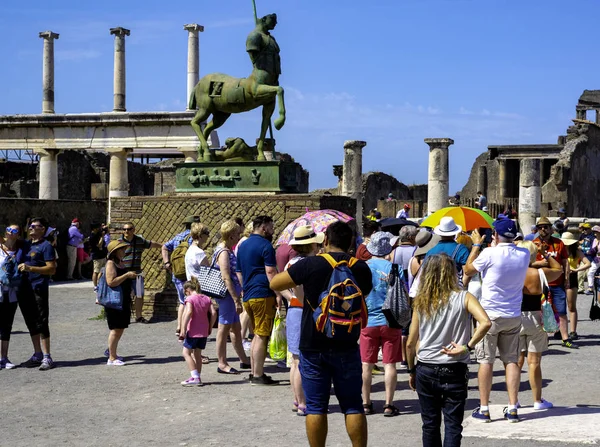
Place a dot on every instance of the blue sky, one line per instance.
(389, 72)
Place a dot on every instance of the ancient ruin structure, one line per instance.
(538, 179)
(438, 173)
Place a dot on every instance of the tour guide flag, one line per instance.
(468, 218)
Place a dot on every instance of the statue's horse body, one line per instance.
(221, 95)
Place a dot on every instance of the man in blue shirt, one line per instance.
(38, 266)
(256, 267)
(448, 230)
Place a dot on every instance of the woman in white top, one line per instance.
(441, 328)
(195, 256)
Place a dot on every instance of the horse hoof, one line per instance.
(279, 122)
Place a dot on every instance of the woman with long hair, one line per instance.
(230, 307)
(577, 263)
(533, 341)
(11, 245)
(118, 320)
(441, 328)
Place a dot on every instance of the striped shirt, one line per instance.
(132, 261)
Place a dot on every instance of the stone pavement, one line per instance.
(83, 402)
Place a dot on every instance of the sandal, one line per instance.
(141, 320)
(390, 411)
(230, 371)
(369, 409)
(301, 410)
(295, 406)
(205, 359)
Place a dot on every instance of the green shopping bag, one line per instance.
(278, 341)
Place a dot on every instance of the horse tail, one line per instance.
(193, 103)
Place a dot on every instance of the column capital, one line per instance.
(49, 35)
(118, 151)
(443, 143)
(47, 152)
(354, 144)
(193, 27)
(120, 31)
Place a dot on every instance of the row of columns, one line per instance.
(118, 180)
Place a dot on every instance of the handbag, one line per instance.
(110, 297)
(211, 281)
(595, 309)
(9, 270)
(548, 318)
(396, 307)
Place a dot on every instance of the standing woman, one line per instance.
(118, 320)
(10, 245)
(441, 327)
(577, 263)
(377, 334)
(230, 307)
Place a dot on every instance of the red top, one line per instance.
(558, 250)
(362, 254)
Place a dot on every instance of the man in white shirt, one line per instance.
(403, 213)
(503, 269)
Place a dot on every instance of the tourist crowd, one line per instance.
(471, 295)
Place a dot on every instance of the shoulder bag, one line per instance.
(211, 281)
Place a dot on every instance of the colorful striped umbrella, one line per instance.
(468, 218)
(319, 220)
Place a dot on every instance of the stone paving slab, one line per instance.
(84, 402)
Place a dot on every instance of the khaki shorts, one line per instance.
(504, 335)
(98, 264)
(532, 338)
(262, 314)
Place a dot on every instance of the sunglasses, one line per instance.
(127, 229)
(12, 231)
(543, 227)
(34, 226)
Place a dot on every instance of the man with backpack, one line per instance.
(448, 230)
(173, 255)
(328, 349)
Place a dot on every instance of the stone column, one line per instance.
(530, 193)
(118, 180)
(48, 173)
(437, 183)
(482, 180)
(119, 70)
(352, 176)
(191, 155)
(48, 71)
(502, 182)
(193, 62)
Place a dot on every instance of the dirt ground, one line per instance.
(83, 402)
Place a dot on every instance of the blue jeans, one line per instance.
(559, 299)
(320, 369)
(442, 389)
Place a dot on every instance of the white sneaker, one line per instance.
(543, 405)
(192, 381)
(116, 362)
(246, 345)
(5, 363)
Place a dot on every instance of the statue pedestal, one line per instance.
(243, 176)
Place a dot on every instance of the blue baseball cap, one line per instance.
(505, 228)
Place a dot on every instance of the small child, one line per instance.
(196, 327)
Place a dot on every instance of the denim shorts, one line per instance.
(179, 287)
(194, 342)
(559, 299)
(320, 369)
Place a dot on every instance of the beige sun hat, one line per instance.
(568, 238)
(305, 235)
(115, 245)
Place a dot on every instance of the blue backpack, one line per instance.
(9, 271)
(341, 312)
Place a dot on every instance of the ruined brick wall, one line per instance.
(159, 219)
(59, 214)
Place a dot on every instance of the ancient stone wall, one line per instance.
(59, 214)
(17, 179)
(159, 219)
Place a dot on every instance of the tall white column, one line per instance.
(48, 71)
(119, 70)
(530, 193)
(438, 177)
(119, 180)
(48, 173)
(193, 60)
(352, 176)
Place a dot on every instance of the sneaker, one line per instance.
(141, 320)
(403, 365)
(263, 380)
(116, 362)
(568, 343)
(281, 364)
(511, 415)
(107, 355)
(47, 363)
(573, 336)
(6, 364)
(589, 292)
(246, 345)
(483, 416)
(380, 355)
(543, 405)
(33, 362)
(192, 381)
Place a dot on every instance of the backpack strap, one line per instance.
(335, 264)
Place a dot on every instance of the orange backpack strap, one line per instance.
(329, 259)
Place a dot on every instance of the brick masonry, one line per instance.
(159, 219)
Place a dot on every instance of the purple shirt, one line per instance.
(75, 236)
